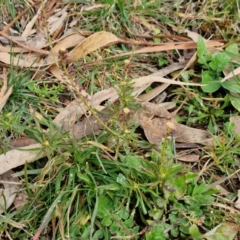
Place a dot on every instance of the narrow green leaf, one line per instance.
(201, 47)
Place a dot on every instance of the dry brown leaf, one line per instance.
(156, 110)
(56, 21)
(157, 123)
(15, 158)
(153, 93)
(163, 72)
(171, 46)
(8, 194)
(193, 35)
(69, 41)
(12, 49)
(93, 7)
(65, 43)
(21, 199)
(92, 43)
(21, 142)
(30, 25)
(69, 115)
(188, 158)
(192, 135)
(17, 61)
(38, 41)
(31, 49)
(234, 73)
(140, 84)
(5, 91)
(155, 129)
(6, 41)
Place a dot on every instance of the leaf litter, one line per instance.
(156, 121)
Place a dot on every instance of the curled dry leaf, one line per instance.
(158, 123)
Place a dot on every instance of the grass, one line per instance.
(115, 184)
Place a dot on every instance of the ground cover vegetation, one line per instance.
(119, 119)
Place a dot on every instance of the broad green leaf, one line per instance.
(204, 60)
(123, 213)
(98, 234)
(114, 227)
(235, 102)
(156, 214)
(199, 189)
(157, 232)
(232, 86)
(194, 232)
(212, 85)
(128, 223)
(107, 221)
(175, 232)
(219, 62)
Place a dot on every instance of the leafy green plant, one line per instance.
(212, 75)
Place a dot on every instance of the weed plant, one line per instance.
(116, 185)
